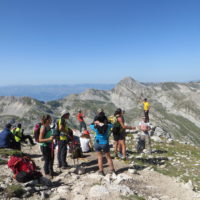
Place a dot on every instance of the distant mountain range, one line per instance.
(49, 92)
(175, 107)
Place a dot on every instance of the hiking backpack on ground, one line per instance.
(24, 168)
(75, 150)
(36, 131)
(140, 144)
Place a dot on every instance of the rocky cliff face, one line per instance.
(174, 106)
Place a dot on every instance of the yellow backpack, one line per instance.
(112, 119)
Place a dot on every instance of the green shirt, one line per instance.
(48, 134)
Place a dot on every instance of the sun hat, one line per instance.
(64, 112)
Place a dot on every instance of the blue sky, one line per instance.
(98, 41)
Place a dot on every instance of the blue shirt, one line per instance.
(101, 138)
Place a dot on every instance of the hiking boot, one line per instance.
(48, 176)
(124, 158)
(115, 156)
(101, 173)
(66, 167)
(120, 155)
(53, 174)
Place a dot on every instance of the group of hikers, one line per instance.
(62, 136)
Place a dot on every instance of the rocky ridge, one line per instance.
(174, 106)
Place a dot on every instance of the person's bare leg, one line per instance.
(116, 147)
(123, 147)
(100, 161)
(110, 162)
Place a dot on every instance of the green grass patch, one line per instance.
(9, 152)
(14, 191)
(183, 161)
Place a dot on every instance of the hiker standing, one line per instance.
(7, 139)
(46, 142)
(119, 133)
(80, 117)
(101, 143)
(146, 108)
(101, 116)
(144, 126)
(63, 139)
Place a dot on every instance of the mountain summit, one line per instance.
(175, 107)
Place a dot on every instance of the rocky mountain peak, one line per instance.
(129, 82)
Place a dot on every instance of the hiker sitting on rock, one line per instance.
(18, 133)
(144, 126)
(85, 140)
(101, 143)
(7, 139)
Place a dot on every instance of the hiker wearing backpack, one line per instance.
(119, 133)
(7, 139)
(19, 135)
(146, 108)
(46, 142)
(80, 117)
(144, 126)
(101, 143)
(64, 136)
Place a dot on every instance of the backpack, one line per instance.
(24, 168)
(112, 119)
(76, 151)
(140, 144)
(116, 127)
(36, 131)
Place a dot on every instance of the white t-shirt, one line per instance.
(85, 144)
(144, 126)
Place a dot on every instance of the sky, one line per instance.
(98, 41)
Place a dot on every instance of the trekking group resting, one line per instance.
(62, 136)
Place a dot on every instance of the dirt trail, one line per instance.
(146, 182)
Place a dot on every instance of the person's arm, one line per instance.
(124, 126)
(92, 127)
(42, 134)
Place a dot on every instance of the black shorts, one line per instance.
(119, 136)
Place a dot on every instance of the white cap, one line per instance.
(64, 112)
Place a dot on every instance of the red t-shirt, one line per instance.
(80, 117)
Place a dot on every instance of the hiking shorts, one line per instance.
(102, 147)
(119, 136)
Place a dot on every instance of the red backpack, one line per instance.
(24, 168)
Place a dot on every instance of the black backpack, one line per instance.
(24, 177)
(76, 152)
